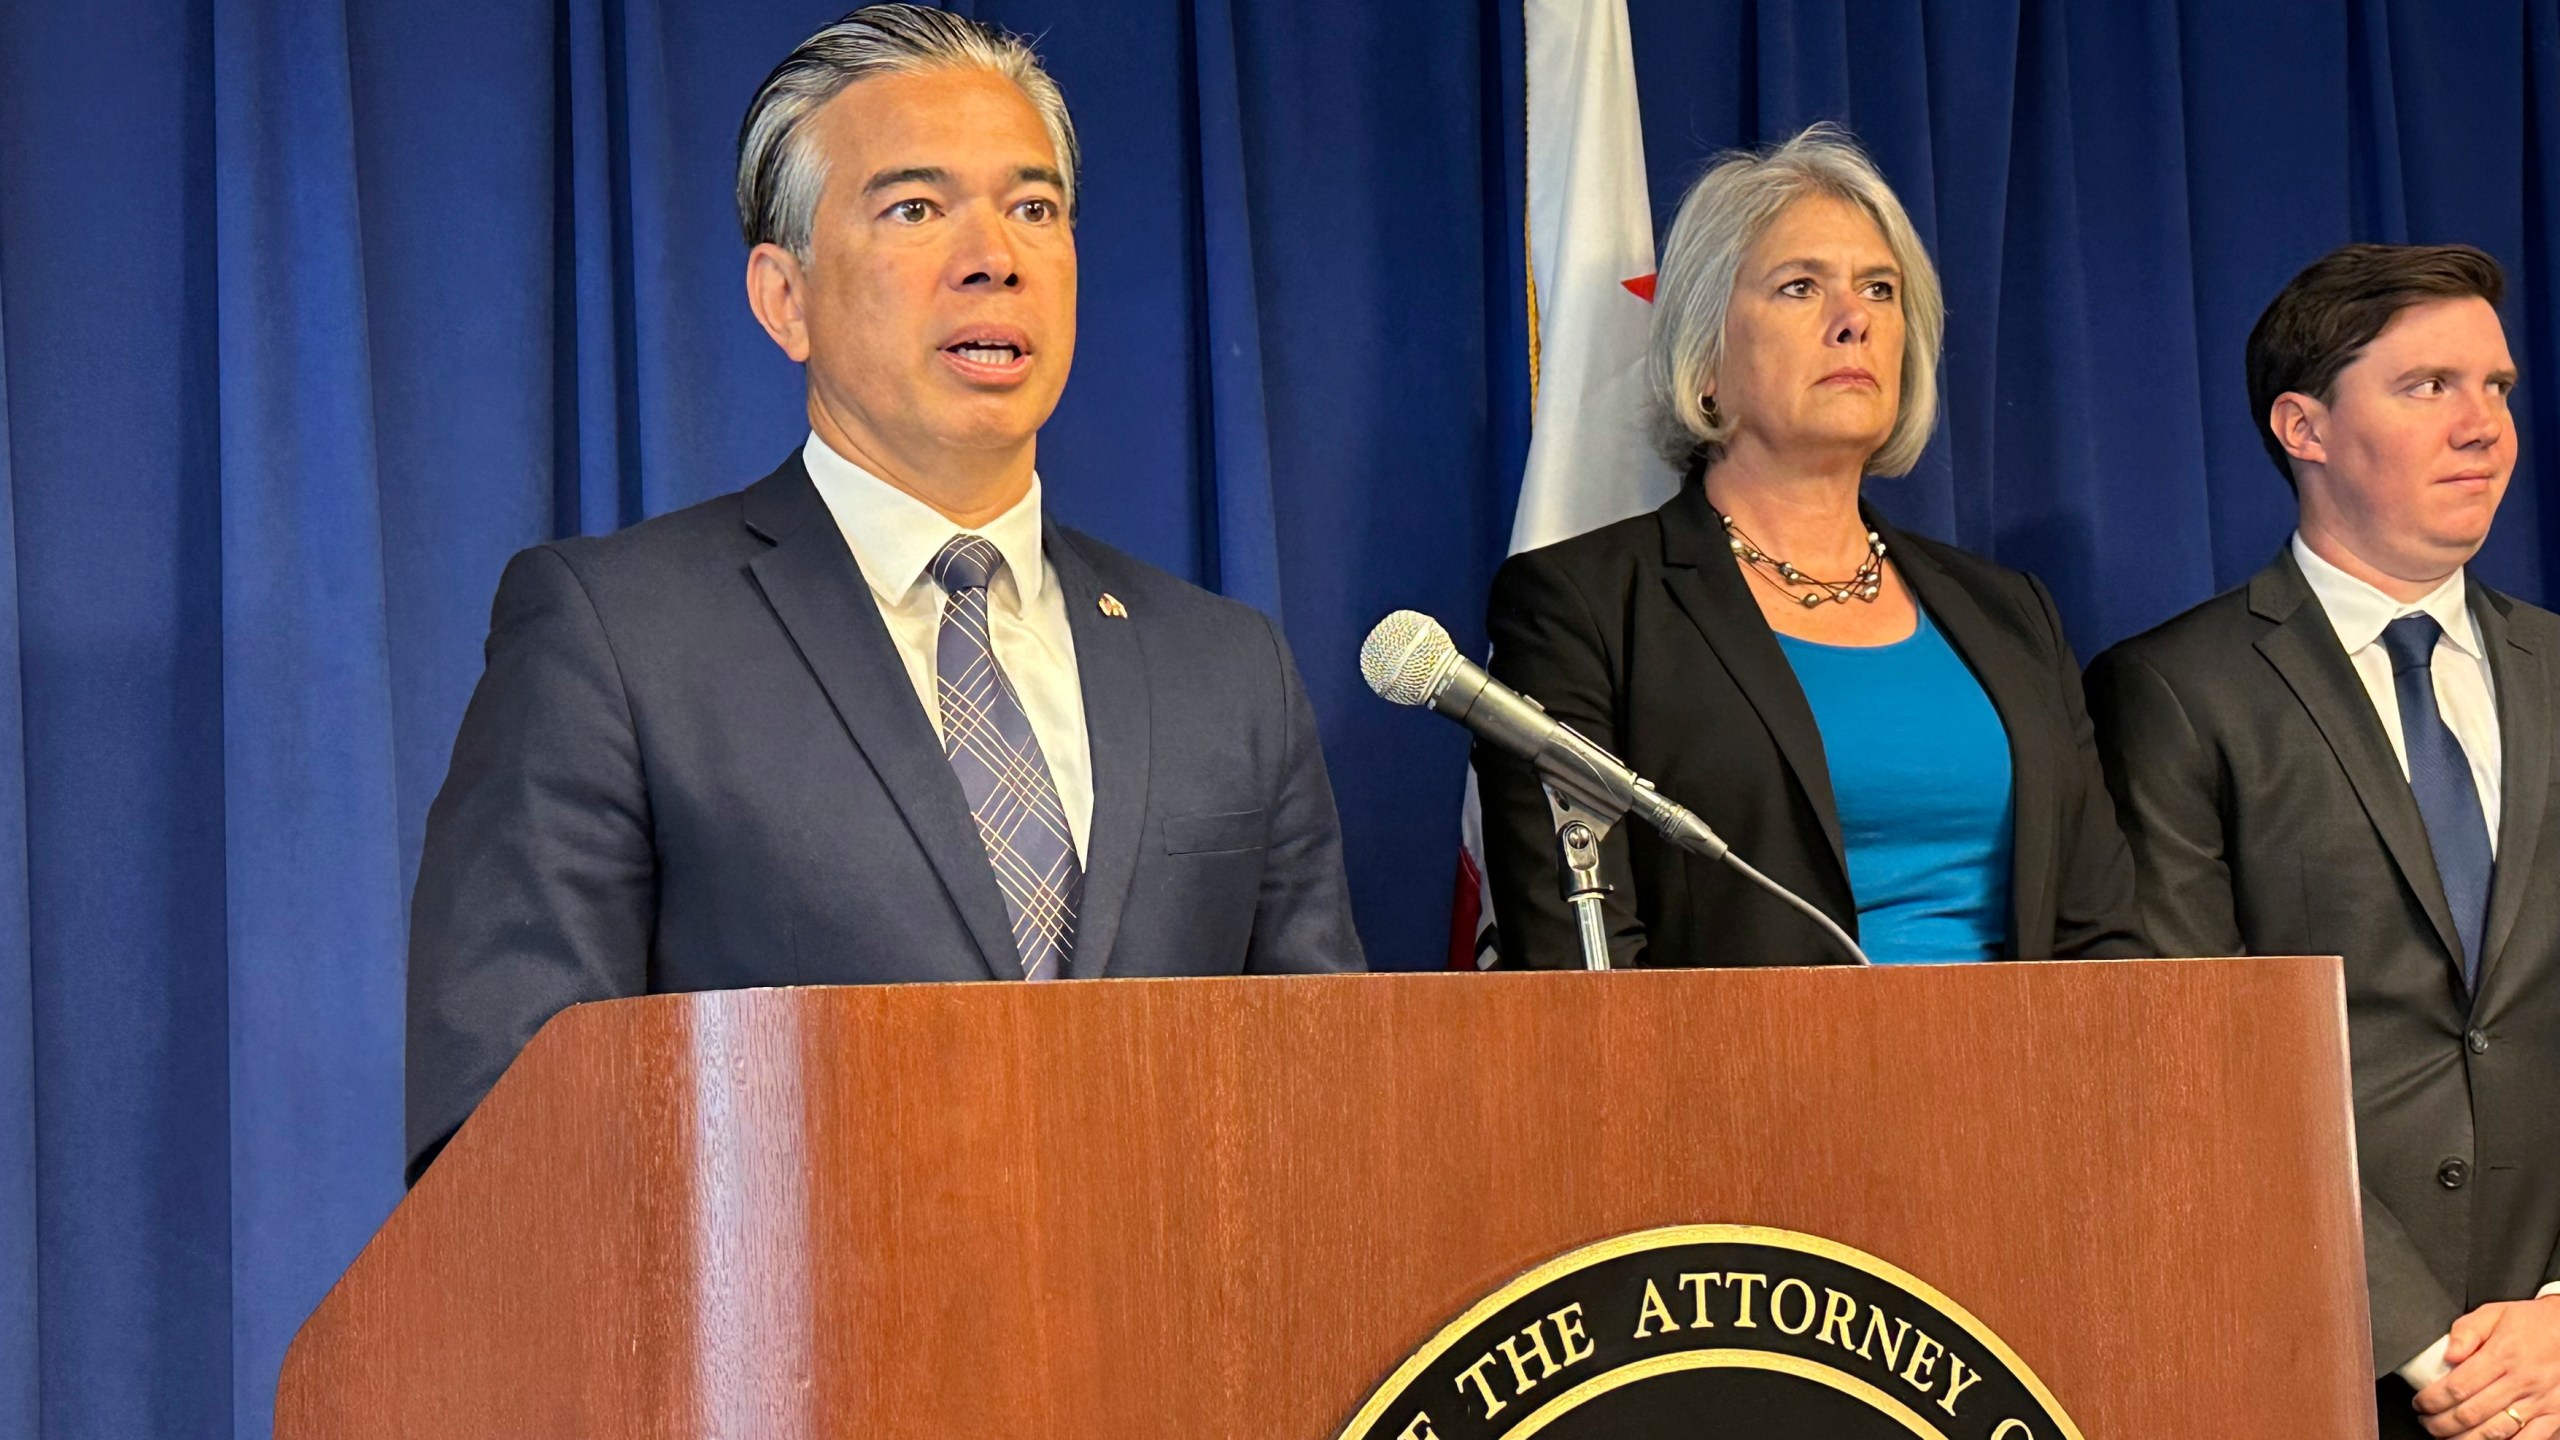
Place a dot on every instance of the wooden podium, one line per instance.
(1232, 1207)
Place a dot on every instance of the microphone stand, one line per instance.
(1585, 808)
(1408, 660)
(1580, 827)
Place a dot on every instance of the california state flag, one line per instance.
(1591, 454)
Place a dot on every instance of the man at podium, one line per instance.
(2353, 755)
(876, 717)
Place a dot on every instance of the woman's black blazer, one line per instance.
(1644, 637)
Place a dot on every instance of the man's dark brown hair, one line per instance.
(2325, 316)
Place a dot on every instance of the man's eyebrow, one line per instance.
(911, 175)
(2504, 374)
(936, 175)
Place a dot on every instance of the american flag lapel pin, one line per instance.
(1111, 606)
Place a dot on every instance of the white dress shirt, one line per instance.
(2465, 694)
(894, 537)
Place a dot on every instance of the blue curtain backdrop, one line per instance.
(312, 311)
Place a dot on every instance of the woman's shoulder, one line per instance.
(1612, 544)
(1596, 573)
(1613, 553)
(1979, 574)
(2010, 598)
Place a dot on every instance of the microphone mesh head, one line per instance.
(1404, 657)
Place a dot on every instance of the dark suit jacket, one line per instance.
(1644, 637)
(695, 762)
(2269, 816)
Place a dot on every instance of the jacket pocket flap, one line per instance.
(1193, 834)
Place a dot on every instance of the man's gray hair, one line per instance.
(1721, 218)
(780, 174)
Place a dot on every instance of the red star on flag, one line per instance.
(1641, 287)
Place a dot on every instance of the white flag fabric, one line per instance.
(1591, 453)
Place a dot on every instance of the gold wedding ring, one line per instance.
(2512, 1415)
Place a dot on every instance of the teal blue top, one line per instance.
(1920, 776)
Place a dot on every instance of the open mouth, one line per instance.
(996, 356)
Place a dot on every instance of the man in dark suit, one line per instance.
(2354, 755)
(875, 717)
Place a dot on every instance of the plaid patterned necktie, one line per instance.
(990, 745)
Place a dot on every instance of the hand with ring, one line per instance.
(2505, 1382)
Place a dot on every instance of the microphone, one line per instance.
(1409, 659)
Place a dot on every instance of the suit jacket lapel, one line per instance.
(2304, 649)
(1111, 670)
(1699, 569)
(2013, 690)
(817, 591)
(2524, 723)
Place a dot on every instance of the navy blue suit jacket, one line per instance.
(695, 762)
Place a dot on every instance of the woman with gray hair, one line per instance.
(1888, 726)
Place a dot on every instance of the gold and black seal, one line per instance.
(1714, 1332)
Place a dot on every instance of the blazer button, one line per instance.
(2452, 1173)
(2478, 1041)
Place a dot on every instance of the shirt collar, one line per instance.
(894, 535)
(2358, 611)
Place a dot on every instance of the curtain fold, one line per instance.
(314, 1009)
(20, 1307)
(2377, 188)
(2540, 317)
(1244, 538)
(596, 476)
(107, 281)
(316, 311)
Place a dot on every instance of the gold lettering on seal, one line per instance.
(1838, 1310)
(1568, 1323)
(1656, 1315)
(1521, 1379)
(1778, 1306)
(1528, 1348)
(1958, 1379)
(1474, 1375)
(1920, 1373)
(1695, 1282)
(2013, 1427)
(1890, 1344)
(1744, 1283)
(1420, 1429)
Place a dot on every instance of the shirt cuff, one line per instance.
(2427, 1366)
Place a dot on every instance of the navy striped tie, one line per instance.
(989, 742)
(2440, 777)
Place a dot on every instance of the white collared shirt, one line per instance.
(2466, 694)
(894, 537)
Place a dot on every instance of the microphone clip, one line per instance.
(1582, 821)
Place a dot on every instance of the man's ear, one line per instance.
(778, 290)
(2301, 426)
